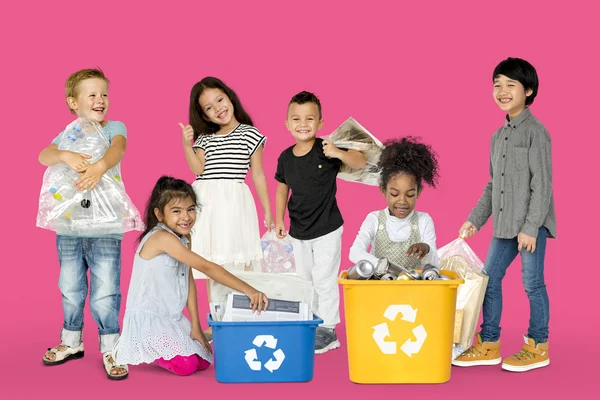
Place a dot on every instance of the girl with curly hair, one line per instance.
(401, 234)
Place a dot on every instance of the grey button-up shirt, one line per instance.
(519, 194)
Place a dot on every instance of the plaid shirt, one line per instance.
(519, 194)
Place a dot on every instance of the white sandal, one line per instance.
(62, 356)
(110, 364)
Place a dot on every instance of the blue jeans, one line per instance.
(102, 256)
(501, 254)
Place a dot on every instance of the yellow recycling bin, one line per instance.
(400, 331)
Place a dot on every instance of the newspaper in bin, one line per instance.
(276, 286)
(239, 309)
(457, 256)
(353, 136)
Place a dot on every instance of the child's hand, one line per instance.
(280, 230)
(258, 300)
(188, 134)
(527, 242)
(91, 176)
(269, 220)
(78, 162)
(198, 335)
(467, 230)
(418, 250)
(330, 150)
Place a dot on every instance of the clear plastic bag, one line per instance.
(457, 256)
(278, 254)
(353, 136)
(102, 211)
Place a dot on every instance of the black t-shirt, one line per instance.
(312, 179)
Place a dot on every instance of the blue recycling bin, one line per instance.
(258, 352)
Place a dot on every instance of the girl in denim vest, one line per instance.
(162, 285)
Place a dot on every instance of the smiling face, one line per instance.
(510, 95)
(303, 121)
(179, 215)
(91, 99)
(401, 194)
(217, 107)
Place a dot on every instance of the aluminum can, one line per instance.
(430, 272)
(361, 271)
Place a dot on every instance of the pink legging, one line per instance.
(184, 365)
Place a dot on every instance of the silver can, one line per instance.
(361, 271)
(384, 266)
(409, 276)
(415, 275)
(387, 277)
(430, 272)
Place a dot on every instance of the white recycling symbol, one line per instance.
(252, 357)
(382, 331)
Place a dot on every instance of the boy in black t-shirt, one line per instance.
(309, 169)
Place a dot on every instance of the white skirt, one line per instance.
(226, 229)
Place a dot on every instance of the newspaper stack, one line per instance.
(238, 309)
(286, 290)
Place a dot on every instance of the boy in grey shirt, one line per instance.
(519, 198)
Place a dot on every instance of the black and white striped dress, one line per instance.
(227, 230)
(228, 156)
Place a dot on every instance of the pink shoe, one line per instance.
(184, 365)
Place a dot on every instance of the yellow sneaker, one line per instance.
(482, 353)
(530, 357)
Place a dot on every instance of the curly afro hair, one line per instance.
(408, 156)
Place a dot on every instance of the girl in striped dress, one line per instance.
(221, 145)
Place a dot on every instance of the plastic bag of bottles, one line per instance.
(353, 136)
(278, 254)
(102, 211)
(457, 256)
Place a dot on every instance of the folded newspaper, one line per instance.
(283, 287)
(351, 135)
(238, 309)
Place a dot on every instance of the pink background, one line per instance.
(421, 68)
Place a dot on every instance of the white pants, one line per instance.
(318, 261)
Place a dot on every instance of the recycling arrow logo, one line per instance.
(382, 331)
(273, 363)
